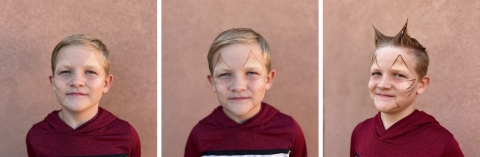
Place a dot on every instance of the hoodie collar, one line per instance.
(404, 129)
(256, 122)
(92, 126)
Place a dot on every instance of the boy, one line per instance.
(240, 73)
(80, 67)
(397, 76)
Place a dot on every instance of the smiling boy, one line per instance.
(80, 67)
(397, 76)
(240, 73)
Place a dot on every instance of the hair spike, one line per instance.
(403, 40)
(380, 38)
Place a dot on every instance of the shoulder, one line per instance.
(366, 124)
(207, 123)
(122, 126)
(39, 128)
(285, 119)
(439, 135)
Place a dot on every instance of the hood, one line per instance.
(93, 126)
(257, 122)
(405, 129)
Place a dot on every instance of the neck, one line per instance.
(389, 119)
(242, 118)
(76, 119)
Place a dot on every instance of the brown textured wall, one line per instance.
(29, 32)
(448, 29)
(188, 29)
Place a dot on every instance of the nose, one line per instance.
(384, 83)
(78, 80)
(239, 84)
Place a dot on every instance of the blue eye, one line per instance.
(251, 73)
(376, 74)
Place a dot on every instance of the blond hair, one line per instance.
(403, 40)
(239, 36)
(84, 40)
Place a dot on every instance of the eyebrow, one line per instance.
(85, 66)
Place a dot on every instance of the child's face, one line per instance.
(79, 78)
(394, 83)
(240, 79)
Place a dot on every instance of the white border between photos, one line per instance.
(159, 78)
(320, 78)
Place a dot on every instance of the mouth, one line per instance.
(76, 94)
(384, 95)
(238, 98)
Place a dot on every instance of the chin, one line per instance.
(240, 109)
(77, 107)
(386, 107)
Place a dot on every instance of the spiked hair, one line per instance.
(403, 40)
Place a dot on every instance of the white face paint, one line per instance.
(393, 79)
(240, 80)
(79, 78)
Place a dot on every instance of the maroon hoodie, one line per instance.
(268, 133)
(103, 135)
(418, 134)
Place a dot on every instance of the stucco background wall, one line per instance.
(188, 29)
(448, 29)
(29, 31)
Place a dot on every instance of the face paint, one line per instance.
(400, 65)
(239, 79)
(252, 62)
(392, 83)
(375, 63)
(78, 78)
(92, 61)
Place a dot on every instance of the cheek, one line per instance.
(403, 86)
(257, 84)
(372, 84)
(96, 82)
(59, 84)
(220, 87)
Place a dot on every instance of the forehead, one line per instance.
(79, 55)
(386, 56)
(237, 54)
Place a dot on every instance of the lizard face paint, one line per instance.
(393, 79)
(79, 78)
(240, 79)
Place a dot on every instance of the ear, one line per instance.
(423, 84)
(270, 77)
(210, 79)
(108, 83)
(50, 78)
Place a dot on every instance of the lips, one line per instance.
(76, 94)
(381, 95)
(238, 98)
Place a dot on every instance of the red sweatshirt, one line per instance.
(418, 134)
(268, 133)
(103, 135)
